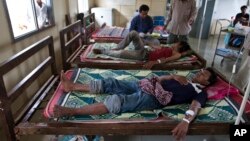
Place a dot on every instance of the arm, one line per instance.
(151, 25)
(175, 56)
(186, 53)
(193, 13)
(133, 24)
(169, 16)
(181, 79)
(236, 20)
(180, 131)
(150, 64)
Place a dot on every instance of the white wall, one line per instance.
(225, 9)
(124, 10)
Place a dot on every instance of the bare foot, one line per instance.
(60, 111)
(66, 83)
(97, 51)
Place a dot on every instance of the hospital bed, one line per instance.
(74, 54)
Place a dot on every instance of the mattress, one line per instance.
(215, 110)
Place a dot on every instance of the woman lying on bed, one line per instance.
(156, 55)
(147, 94)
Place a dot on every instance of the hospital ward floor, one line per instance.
(207, 50)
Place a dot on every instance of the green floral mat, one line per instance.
(214, 111)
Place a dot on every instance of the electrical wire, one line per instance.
(234, 66)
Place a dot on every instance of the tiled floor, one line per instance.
(207, 50)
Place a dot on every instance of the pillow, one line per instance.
(220, 89)
(158, 27)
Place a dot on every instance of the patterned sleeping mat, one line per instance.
(118, 33)
(111, 32)
(215, 110)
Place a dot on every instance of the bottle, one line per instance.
(232, 22)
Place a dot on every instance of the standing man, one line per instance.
(41, 13)
(180, 19)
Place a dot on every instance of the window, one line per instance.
(28, 16)
(83, 6)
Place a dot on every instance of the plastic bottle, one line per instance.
(232, 22)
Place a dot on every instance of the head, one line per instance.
(205, 77)
(39, 2)
(243, 9)
(181, 46)
(143, 10)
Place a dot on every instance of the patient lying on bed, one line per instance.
(156, 55)
(147, 94)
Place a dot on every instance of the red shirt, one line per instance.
(160, 53)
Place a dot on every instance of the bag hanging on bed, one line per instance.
(236, 41)
(227, 38)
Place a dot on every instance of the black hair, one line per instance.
(184, 46)
(243, 7)
(213, 77)
(143, 7)
(80, 16)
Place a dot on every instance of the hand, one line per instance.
(181, 79)
(141, 34)
(164, 28)
(115, 49)
(148, 34)
(160, 79)
(244, 19)
(180, 131)
(149, 64)
(190, 22)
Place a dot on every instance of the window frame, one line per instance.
(32, 32)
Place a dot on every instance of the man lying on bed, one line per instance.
(147, 94)
(157, 55)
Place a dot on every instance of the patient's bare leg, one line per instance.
(93, 109)
(70, 86)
